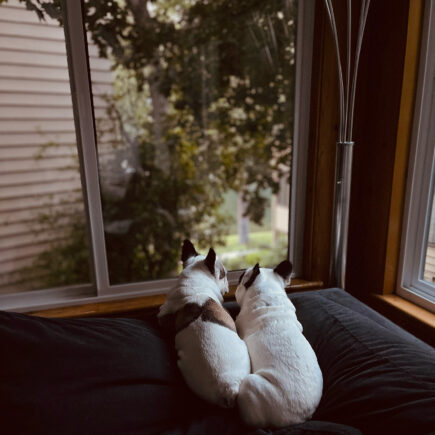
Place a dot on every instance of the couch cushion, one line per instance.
(377, 377)
(105, 375)
(120, 376)
(311, 427)
(101, 376)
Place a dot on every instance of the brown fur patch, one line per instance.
(211, 311)
(186, 315)
(214, 312)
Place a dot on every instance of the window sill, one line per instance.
(144, 303)
(409, 316)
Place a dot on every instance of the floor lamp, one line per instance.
(347, 78)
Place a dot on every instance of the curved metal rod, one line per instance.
(362, 24)
(331, 15)
(349, 41)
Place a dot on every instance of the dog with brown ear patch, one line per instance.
(212, 358)
(286, 383)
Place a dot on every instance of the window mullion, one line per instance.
(78, 64)
(304, 52)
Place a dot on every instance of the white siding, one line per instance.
(429, 267)
(431, 235)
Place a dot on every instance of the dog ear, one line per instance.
(284, 270)
(188, 251)
(254, 274)
(241, 277)
(210, 260)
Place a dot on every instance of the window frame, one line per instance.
(419, 196)
(100, 289)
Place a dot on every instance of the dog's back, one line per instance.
(286, 383)
(211, 356)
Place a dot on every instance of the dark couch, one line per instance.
(119, 376)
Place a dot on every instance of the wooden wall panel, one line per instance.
(376, 123)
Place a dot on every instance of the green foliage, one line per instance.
(66, 261)
(262, 249)
(230, 63)
(161, 205)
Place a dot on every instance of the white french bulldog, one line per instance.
(286, 383)
(212, 358)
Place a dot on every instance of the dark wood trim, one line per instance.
(141, 304)
(409, 316)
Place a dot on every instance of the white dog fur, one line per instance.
(212, 358)
(286, 383)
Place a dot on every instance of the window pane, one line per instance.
(194, 116)
(429, 264)
(42, 241)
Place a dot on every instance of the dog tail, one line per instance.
(229, 395)
(253, 402)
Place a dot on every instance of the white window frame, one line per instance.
(418, 205)
(100, 289)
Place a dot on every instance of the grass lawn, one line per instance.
(261, 239)
(261, 248)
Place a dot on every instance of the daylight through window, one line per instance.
(194, 117)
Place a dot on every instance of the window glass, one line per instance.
(42, 240)
(194, 116)
(429, 263)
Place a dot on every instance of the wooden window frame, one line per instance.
(410, 283)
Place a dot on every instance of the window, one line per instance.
(185, 114)
(416, 280)
(194, 122)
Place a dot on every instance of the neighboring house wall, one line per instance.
(38, 153)
(431, 236)
(429, 268)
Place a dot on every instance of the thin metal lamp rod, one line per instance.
(331, 16)
(348, 52)
(362, 24)
(344, 150)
